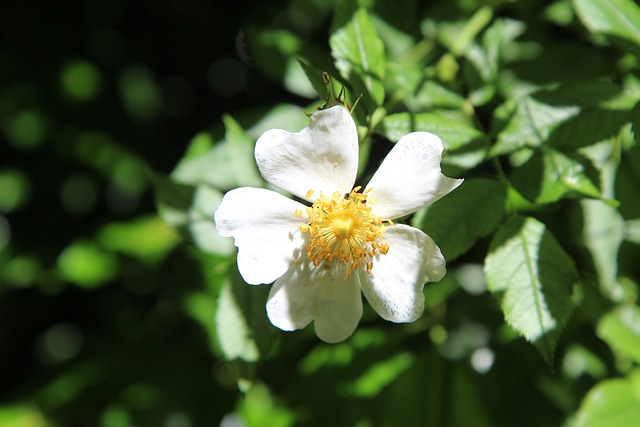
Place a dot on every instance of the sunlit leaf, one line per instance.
(454, 134)
(613, 402)
(201, 226)
(603, 233)
(148, 238)
(466, 145)
(620, 18)
(259, 408)
(243, 329)
(579, 360)
(432, 95)
(533, 278)
(379, 375)
(289, 117)
(621, 330)
(358, 51)
(458, 220)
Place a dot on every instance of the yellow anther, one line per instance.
(342, 228)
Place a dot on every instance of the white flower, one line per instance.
(321, 256)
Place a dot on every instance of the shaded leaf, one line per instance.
(533, 278)
(588, 127)
(458, 220)
(173, 200)
(531, 125)
(190, 209)
(550, 175)
(228, 165)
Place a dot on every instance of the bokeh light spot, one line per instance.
(14, 189)
(5, 232)
(20, 271)
(482, 360)
(139, 92)
(59, 343)
(26, 129)
(81, 80)
(86, 265)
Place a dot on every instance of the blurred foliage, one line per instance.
(123, 124)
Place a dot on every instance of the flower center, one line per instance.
(342, 227)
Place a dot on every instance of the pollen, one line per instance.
(342, 228)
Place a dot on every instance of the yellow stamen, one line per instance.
(342, 228)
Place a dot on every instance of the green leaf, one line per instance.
(611, 403)
(621, 330)
(591, 125)
(287, 117)
(531, 125)
(190, 209)
(550, 175)
(454, 134)
(359, 52)
(173, 200)
(466, 145)
(243, 329)
(603, 233)
(433, 95)
(449, 222)
(228, 165)
(619, 18)
(533, 278)
(201, 227)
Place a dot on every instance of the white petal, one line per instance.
(291, 302)
(265, 229)
(410, 177)
(338, 309)
(394, 287)
(322, 157)
(307, 293)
